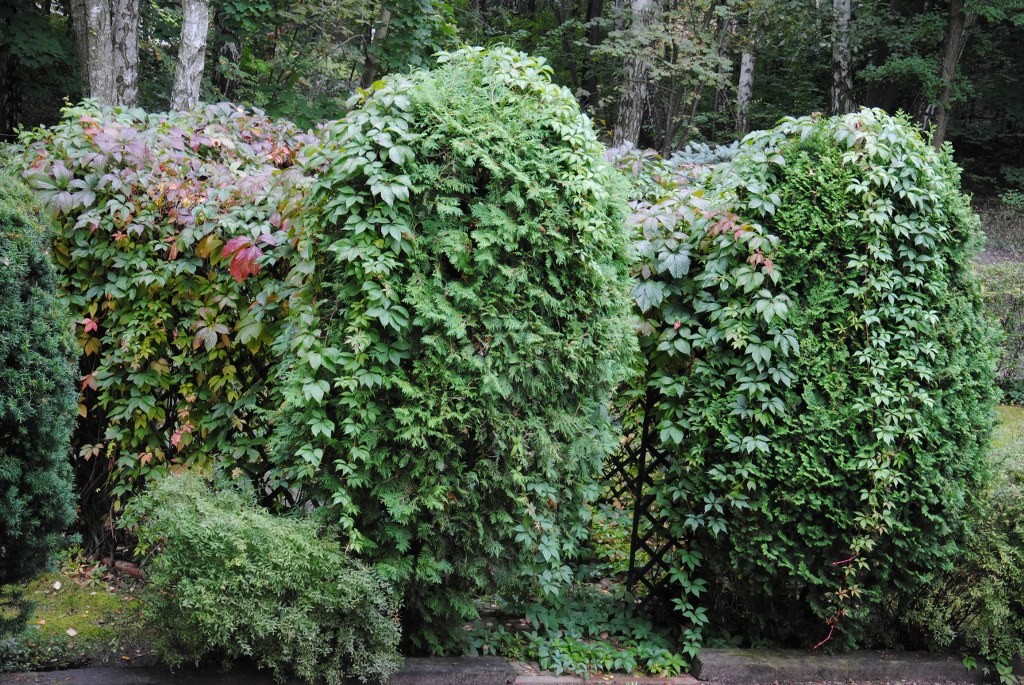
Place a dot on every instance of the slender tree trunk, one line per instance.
(960, 23)
(590, 84)
(723, 70)
(633, 100)
(100, 52)
(188, 74)
(841, 95)
(10, 85)
(81, 31)
(745, 91)
(125, 22)
(380, 34)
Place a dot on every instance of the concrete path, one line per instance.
(714, 666)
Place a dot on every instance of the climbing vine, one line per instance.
(448, 389)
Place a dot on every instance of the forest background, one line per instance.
(654, 73)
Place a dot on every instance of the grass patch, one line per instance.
(1008, 434)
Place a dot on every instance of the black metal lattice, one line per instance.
(630, 479)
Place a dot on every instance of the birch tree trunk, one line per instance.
(125, 35)
(960, 23)
(107, 38)
(841, 95)
(188, 73)
(745, 92)
(633, 100)
(100, 52)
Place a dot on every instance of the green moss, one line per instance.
(74, 617)
(88, 608)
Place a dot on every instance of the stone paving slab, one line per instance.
(437, 671)
(763, 666)
(614, 679)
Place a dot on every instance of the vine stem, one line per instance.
(845, 561)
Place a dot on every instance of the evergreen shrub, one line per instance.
(449, 386)
(37, 392)
(177, 261)
(822, 372)
(226, 579)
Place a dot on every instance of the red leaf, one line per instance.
(89, 324)
(243, 264)
(88, 381)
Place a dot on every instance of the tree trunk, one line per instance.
(723, 104)
(188, 73)
(633, 100)
(81, 31)
(841, 95)
(10, 85)
(100, 52)
(107, 38)
(590, 84)
(380, 34)
(960, 23)
(745, 92)
(125, 21)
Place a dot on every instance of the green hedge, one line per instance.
(449, 392)
(823, 370)
(37, 391)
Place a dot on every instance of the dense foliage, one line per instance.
(449, 388)
(823, 371)
(37, 394)
(162, 222)
(227, 579)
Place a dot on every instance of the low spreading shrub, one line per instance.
(162, 225)
(822, 371)
(227, 579)
(449, 398)
(37, 393)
